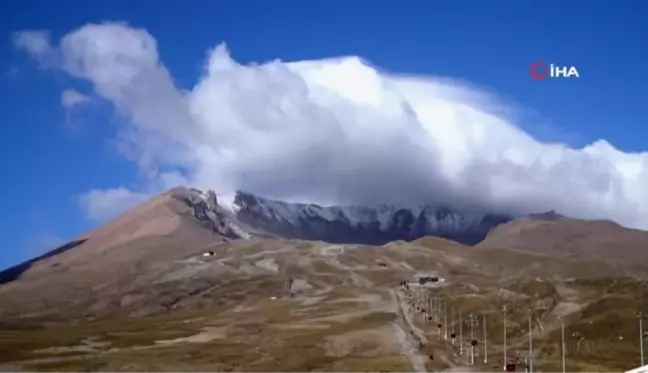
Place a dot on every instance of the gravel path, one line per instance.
(404, 336)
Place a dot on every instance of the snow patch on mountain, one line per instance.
(226, 202)
(209, 210)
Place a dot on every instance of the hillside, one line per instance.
(346, 312)
(572, 239)
(160, 230)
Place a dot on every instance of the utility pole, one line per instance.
(641, 337)
(505, 357)
(472, 339)
(288, 286)
(425, 307)
(460, 334)
(434, 310)
(445, 321)
(530, 344)
(452, 328)
(485, 341)
(562, 342)
(438, 318)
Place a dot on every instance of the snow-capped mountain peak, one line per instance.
(238, 214)
(368, 224)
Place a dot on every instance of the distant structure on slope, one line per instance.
(427, 278)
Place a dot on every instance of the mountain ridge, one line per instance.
(244, 215)
(364, 224)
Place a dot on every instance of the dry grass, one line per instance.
(254, 339)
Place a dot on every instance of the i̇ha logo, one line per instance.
(541, 70)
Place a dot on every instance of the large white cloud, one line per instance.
(340, 131)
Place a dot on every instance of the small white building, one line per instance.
(643, 369)
(427, 278)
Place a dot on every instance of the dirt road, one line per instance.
(407, 334)
(442, 353)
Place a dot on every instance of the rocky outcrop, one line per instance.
(248, 215)
(205, 208)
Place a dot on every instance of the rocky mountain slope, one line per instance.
(363, 224)
(168, 227)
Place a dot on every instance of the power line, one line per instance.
(431, 305)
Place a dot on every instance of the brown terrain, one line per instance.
(596, 240)
(137, 294)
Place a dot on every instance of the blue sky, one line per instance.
(47, 159)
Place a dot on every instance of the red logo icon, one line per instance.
(539, 70)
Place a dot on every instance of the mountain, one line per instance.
(166, 228)
(192, 280)
(558, 236)
(363, 224)
(180, 221)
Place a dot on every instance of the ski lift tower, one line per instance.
(528, 357)
(473, 323)
(288, 287)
